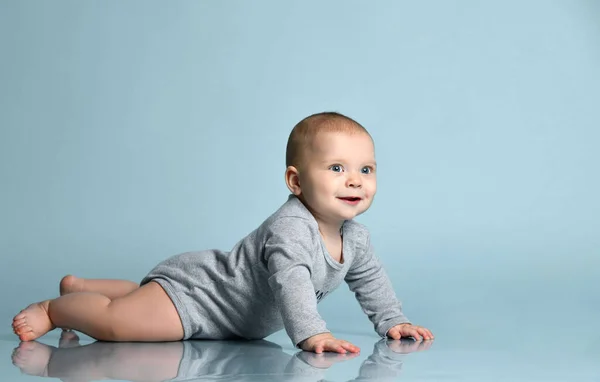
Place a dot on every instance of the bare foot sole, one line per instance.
(32, 358)
(33, 321)
(70, 284)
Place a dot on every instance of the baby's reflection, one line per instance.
(195, 360)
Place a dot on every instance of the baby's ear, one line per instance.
(292, 180)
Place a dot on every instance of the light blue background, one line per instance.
(132, 131)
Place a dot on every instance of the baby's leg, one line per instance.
(146, 314)
(110, 288)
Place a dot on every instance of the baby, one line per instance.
(272, 279)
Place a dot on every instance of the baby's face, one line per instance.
(338, 180)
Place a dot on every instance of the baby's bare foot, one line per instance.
(33, 321)
(70, 284)
(32, 358)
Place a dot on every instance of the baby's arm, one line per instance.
(288, 255)
(374, 292)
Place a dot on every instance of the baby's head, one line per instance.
(331, 166)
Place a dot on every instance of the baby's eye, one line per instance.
(367, 170)
(336, 168)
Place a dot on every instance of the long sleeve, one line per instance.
(288, 253)
(374, 292)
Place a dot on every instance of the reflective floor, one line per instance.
(69, 356)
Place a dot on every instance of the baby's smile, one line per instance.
(352, 200)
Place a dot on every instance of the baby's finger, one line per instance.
(424, 333)
(350, 347)
(394, 333)
(335, 346)
(413, 333)
(319, 348)
(429, 334)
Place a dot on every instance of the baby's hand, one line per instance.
(325, 342)
(407, 330)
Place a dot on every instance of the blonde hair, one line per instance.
(305, 131)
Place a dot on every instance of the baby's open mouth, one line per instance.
(350, 198)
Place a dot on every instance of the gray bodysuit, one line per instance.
(273, 279)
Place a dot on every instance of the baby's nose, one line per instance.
(353, 181)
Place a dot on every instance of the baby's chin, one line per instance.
(352, 215)
(341, 213)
